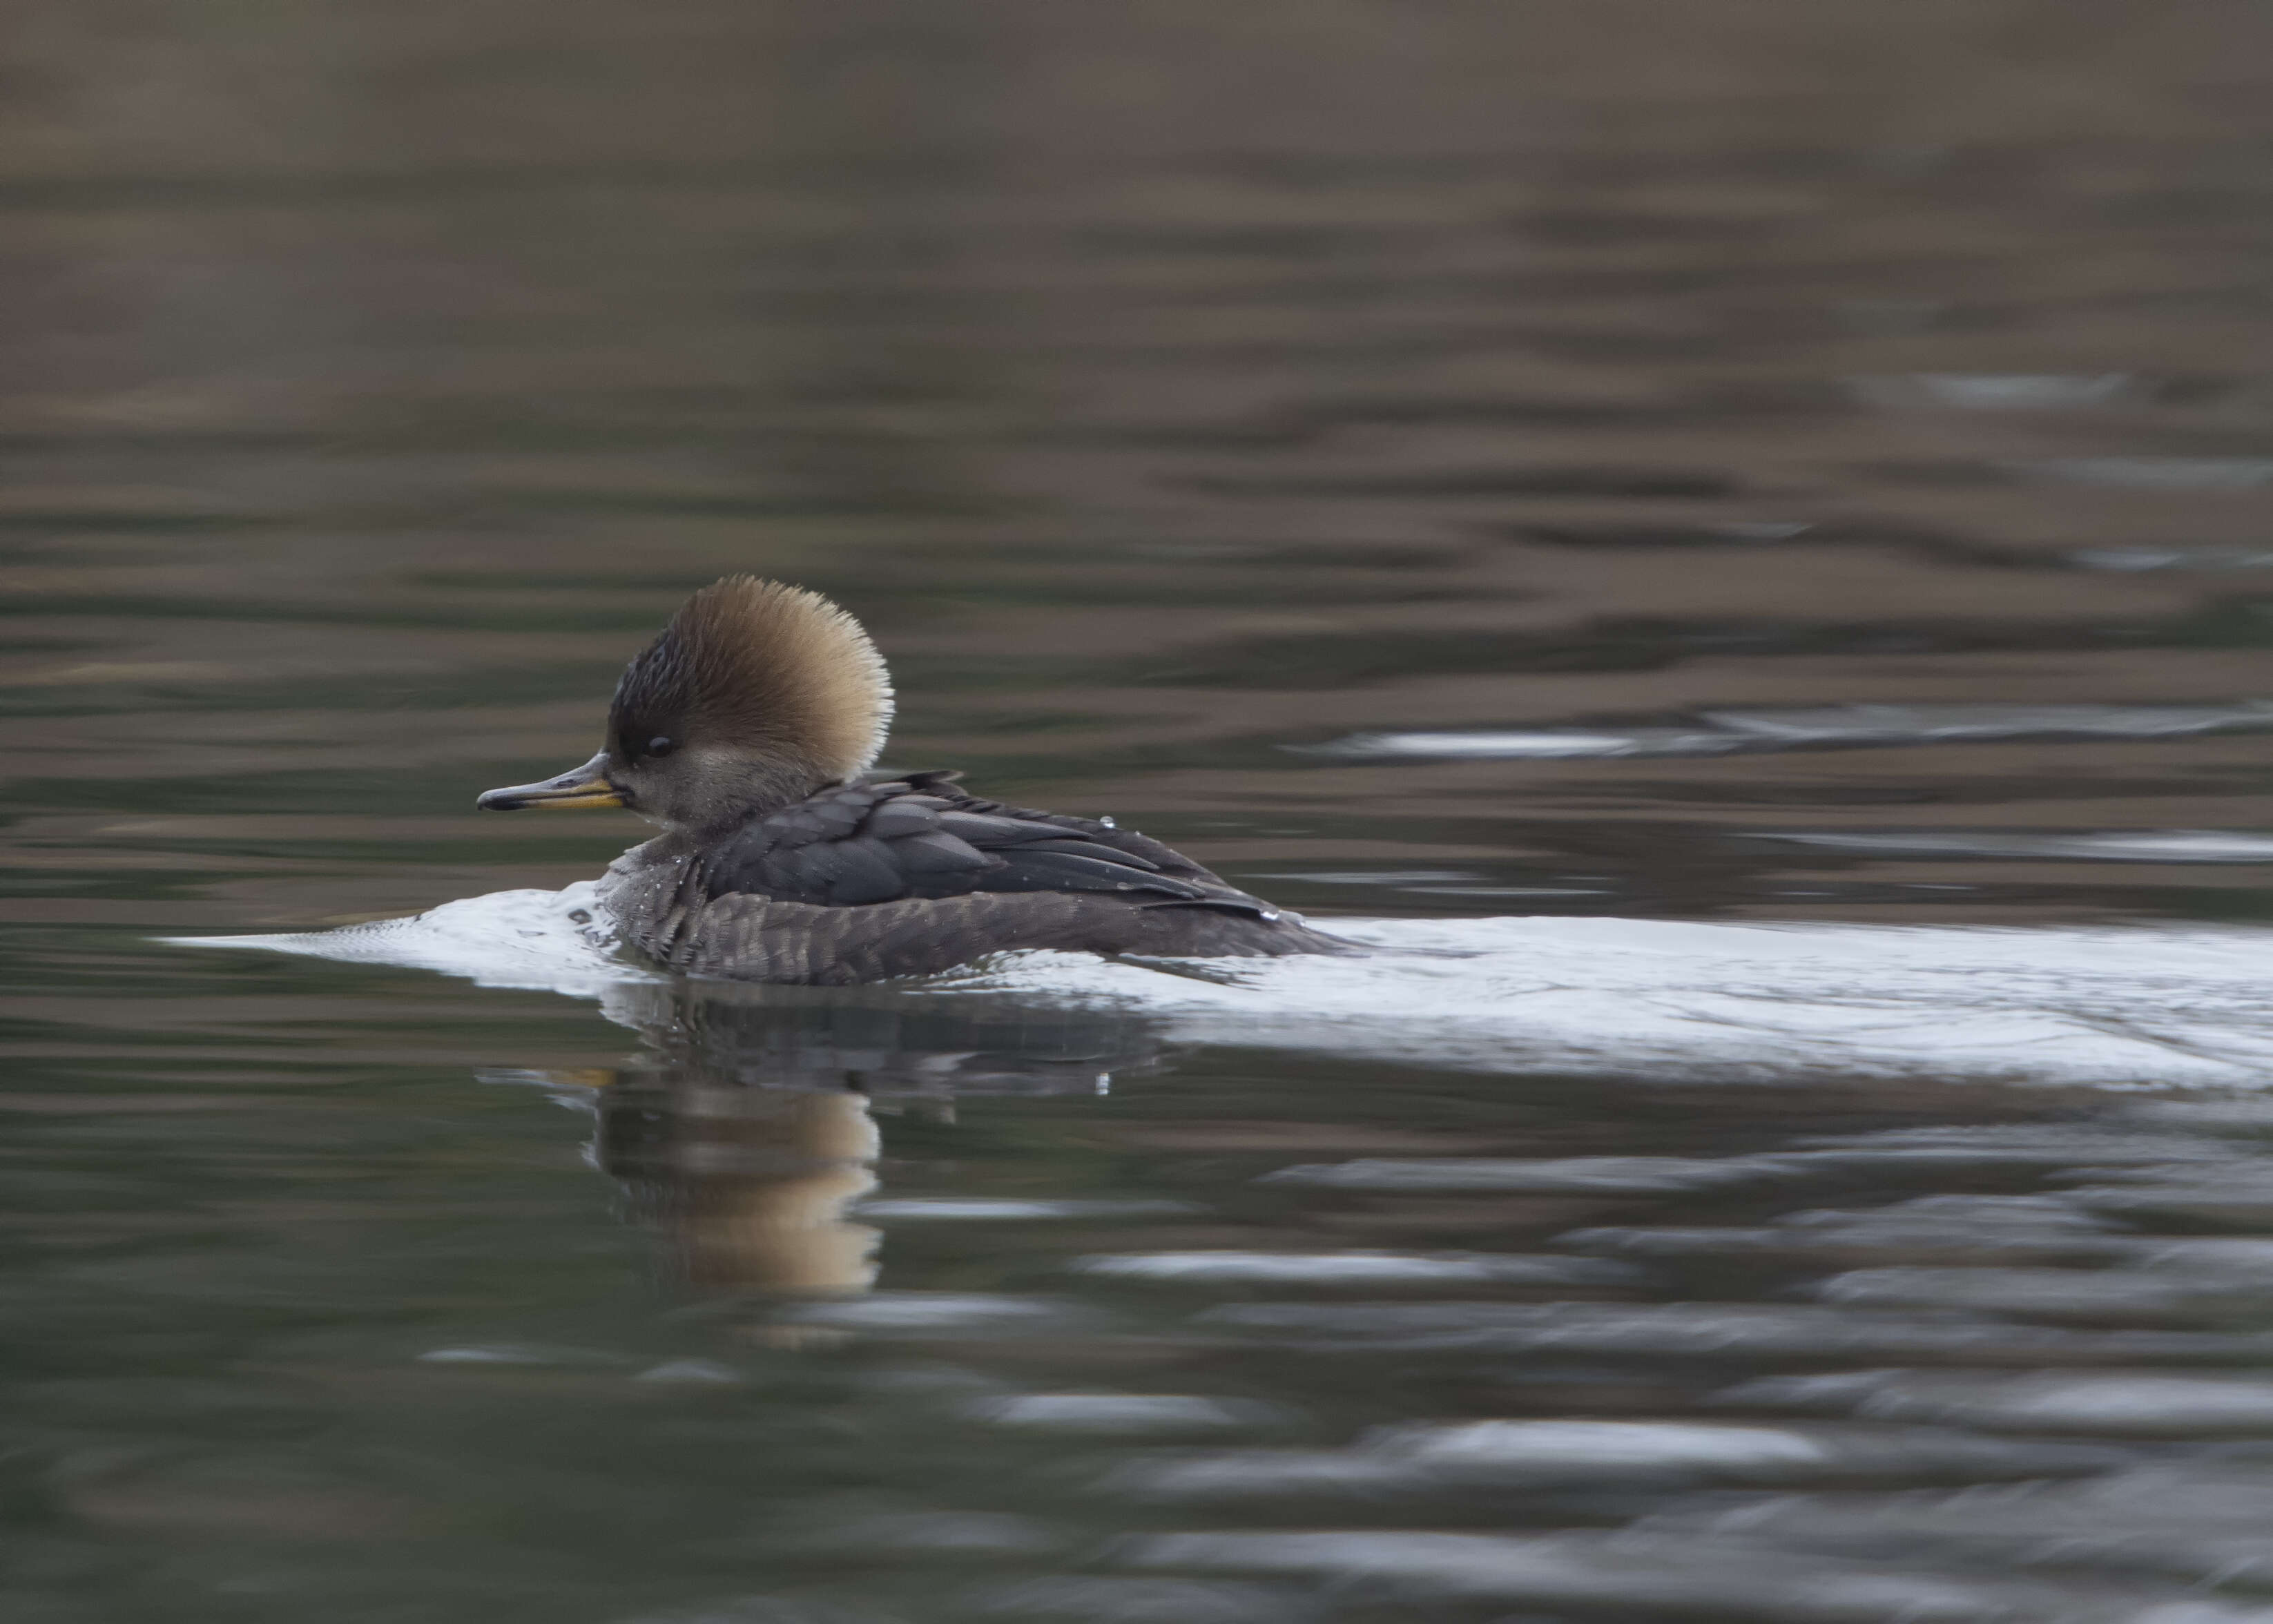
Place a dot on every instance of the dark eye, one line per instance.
(659, 746)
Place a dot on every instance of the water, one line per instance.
(1729, 543)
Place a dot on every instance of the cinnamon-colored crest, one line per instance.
(757, 666)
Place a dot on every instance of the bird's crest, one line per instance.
(759, 665)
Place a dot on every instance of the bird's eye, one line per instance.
(660, 746)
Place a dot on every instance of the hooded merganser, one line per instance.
(747, 730)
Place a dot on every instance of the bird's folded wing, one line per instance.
(868, 844)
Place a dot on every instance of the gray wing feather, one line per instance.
(865, 844)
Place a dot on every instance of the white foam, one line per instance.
(1350, 1269)
(2137, 560)
(1991, 391)
(543, 941)
(2158, 845)
(2112, 1007)
(1727, 732)
(2116, 1007)
(1118, 1412)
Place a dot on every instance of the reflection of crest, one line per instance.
(752, 1183)
(746, 1128)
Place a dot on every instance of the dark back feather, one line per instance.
(858, 845)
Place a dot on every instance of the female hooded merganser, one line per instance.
(747, 730)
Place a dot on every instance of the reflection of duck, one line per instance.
(753, 1184)
(746, 729)
(747, 1128)
(897, 1050)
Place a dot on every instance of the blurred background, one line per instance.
(1736, 461)
(1165, 388)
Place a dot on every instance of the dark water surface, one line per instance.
(1728, 463)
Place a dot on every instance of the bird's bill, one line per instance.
(586, 785)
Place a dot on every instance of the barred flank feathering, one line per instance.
(762, 666)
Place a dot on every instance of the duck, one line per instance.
(748, 731)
